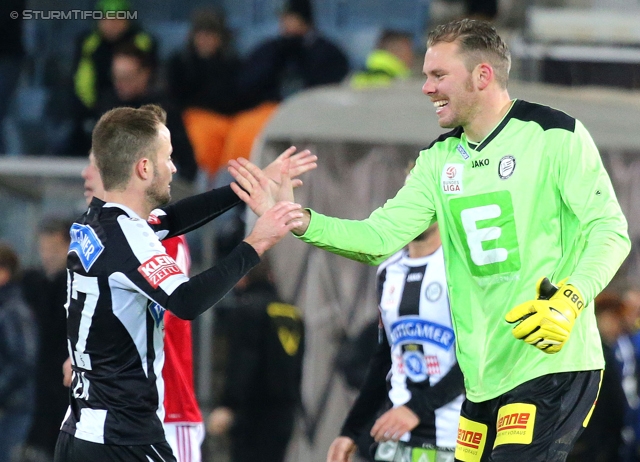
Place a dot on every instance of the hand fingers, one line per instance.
(296, 183)
(243, 177)
(252, 169)
(287, 153)
(303, 157)
(519, 312)
(241, 193)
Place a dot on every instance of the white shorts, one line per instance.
(185, 440)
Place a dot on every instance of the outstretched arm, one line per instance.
(195, 211)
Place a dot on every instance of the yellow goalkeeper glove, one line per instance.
(546, 322)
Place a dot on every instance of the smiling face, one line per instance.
(450, 85)
(159, 191)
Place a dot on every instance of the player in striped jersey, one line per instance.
(121, 281)
(414, 368)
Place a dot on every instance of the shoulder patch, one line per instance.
(86, 244)
(544, 116)
(158, 269)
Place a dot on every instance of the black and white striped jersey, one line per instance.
(120, 281)
(415, 364)
(414, 309)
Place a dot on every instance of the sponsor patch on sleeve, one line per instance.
(515, 424)
(86, 244)
(158, 269)
(153, 219)
(472, 436)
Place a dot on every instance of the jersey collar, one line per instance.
(493, 133)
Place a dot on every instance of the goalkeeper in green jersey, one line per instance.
(520, 193)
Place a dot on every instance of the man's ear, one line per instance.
(144, 169)
(483, 75)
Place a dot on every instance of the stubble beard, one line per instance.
(156, 194)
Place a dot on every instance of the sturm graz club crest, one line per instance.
(506, 167)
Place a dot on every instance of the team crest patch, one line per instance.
(415, 364)
(506, 167)
(452, 178)
(159, 268)
(433, 291)
(86, 244)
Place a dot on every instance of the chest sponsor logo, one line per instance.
(157, 313)
(480, 163)
(159, 268)
(433, 292)
(153, 219)
(506, 167)
(463, 152)
(515, 424)
(86, 244)
(415, 330)
(472, 436)
(452, 178)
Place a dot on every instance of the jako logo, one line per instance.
(480, 163)
(451, 172)
(158, 268)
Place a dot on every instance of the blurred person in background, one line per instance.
(202, 80)
(602, 439)
(92, 67)
(417, 376)
(261, 393)
(45, 290)
(18, 350)
(134, 76)
(297, 59)
(392, 59)
(11, 56)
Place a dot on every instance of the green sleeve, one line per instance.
(388, 228)
(587, 190)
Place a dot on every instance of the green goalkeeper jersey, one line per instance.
(532, 199)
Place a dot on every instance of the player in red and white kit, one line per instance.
(183, 426)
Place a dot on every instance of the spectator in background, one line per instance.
(45, 290)
(133, 73)
(263, 371)
(416, 376)
(11, 56)
(391, 59)
(92, 69)
(601, 441)
(18, 348)
(202, 82)
(297, 59)
(486, 10)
